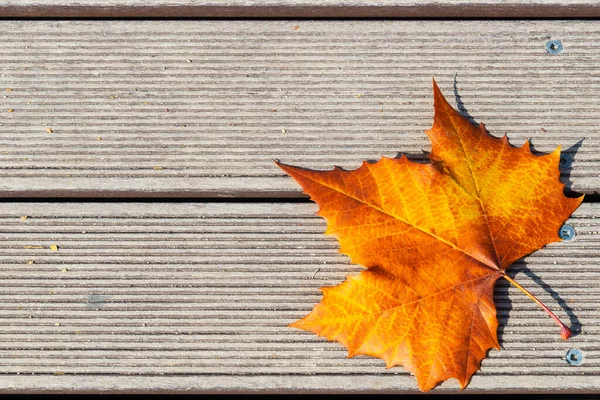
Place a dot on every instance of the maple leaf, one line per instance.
(434, 238)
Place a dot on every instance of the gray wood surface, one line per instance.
(302, 8)
(176, 297)
(197, 296)
(200, 108)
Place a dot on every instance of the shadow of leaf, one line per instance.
(504, 304)
(460, 106)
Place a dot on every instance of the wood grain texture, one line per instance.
(197, 297)
(201, 108)
(300, 9)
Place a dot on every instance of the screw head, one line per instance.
(574, 357)
(566, 161)
(554, 47)
(566, 232)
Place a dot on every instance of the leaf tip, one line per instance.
(301, 324)
(464, 384)
(351, 353)
(440, 106)
(296, 324)
(278, 162)
(292, 324)
(437, 93)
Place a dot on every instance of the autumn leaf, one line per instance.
(434, 238)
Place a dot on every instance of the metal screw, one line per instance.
(554, 47)
(574, 357)
(566, 161)
(567, 232)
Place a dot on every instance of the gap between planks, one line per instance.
(299, 9)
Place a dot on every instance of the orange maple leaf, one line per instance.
(434, 238)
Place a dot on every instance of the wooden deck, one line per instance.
(143, 150)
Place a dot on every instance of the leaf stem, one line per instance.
(565, 332)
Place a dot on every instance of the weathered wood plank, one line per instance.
(300, 9)
(200, 108)
(197, 297)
